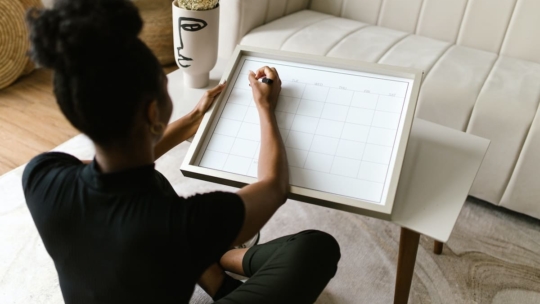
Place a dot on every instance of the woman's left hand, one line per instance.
(187, 126)
(208, 99)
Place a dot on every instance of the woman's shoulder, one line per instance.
(54, 156)
(50, 159)
(46, 163)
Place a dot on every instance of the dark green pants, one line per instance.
(291, 269)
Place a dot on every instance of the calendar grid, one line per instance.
(282, 112)
(341, 132)
(210, 149)
(369, 132)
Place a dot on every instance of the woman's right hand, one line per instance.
(263, 198)
(265, 95)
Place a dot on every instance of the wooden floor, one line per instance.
(30, 120)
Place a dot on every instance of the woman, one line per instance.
(114, 227)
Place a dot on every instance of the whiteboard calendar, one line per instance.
(342, 129)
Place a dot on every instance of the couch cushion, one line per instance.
(325, 33)
(274, 34)
(368, 44)
(504, 112)
(450, 89)
(464, 88)
(316, 33)
(415, 52)
(523, 190)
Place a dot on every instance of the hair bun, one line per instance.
(76, 31)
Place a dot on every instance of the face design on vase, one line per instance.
(188, 25)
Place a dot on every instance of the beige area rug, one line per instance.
(493, 255)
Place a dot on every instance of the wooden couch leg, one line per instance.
(437, 247)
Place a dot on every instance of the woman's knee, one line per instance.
(320, 244)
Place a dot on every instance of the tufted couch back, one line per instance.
(506, 27)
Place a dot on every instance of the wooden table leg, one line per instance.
(437, 247)
(408, 246)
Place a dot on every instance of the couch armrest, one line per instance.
(238, 17)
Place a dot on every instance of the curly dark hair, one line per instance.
(103, 73)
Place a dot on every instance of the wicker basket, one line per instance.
(14, 44)
(157, 32)
(13, 41)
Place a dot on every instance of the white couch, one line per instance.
(481, 59)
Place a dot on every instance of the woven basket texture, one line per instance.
(13, 41)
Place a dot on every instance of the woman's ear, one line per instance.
(153, 113)
(154, 120)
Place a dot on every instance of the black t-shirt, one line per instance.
(126, 237)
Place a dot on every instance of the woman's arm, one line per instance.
(185, 127)
(177, 132)
(263, 198)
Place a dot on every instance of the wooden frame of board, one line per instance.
(383, 211)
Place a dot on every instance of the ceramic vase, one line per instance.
(195, 43)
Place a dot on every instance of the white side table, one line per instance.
(438, 170)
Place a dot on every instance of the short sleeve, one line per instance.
(212, 222)
(44, 165)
